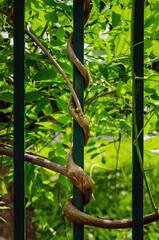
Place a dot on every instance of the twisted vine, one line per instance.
(76, 174)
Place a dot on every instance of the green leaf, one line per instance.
(57, 42)
(96, 3)
(120, 45)
(32, 115)
(49, 2)
(28, 5)
(60, 33)
(51, 17)
(62, 119)
(91, 59)
(149, 21)
(125, 126)
(91, 149)
(45, 75)
(121, 89)
(103, 160)
(29, 170)
(150, 91)
(59, 160)
(94, 155)
(155, 97)
(3, 219)
(64, 180)
(41, 104)
(151, 142)
(33, 96)
(115, 19)
(118, 67)
(108, 50)
(156, 36)
(34, 189)
(127, 14)
(49, 125)
(66, 67)
(61, 103)
(50, 196)
(104, 71)
(4, 207)
(7, 97)
(99, 53)
(47, 109)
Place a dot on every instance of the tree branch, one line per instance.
(78, 105)
(37, 161)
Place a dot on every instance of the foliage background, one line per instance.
(108, 108)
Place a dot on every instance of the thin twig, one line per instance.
(78, 105)
(117, 160)
(44, 30)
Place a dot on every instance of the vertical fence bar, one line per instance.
(19, 120)
(78, 83)
(137, 70)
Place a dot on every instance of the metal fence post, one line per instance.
(137, 69)
(19, 229)
(78, 83)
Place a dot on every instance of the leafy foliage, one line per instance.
(108, 108)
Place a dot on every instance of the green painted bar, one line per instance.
(19, 216)
(137, 63)
(78, 83)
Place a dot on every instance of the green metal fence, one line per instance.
(137, 63)
(78, 83)
(137, 70)
(19, 218)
